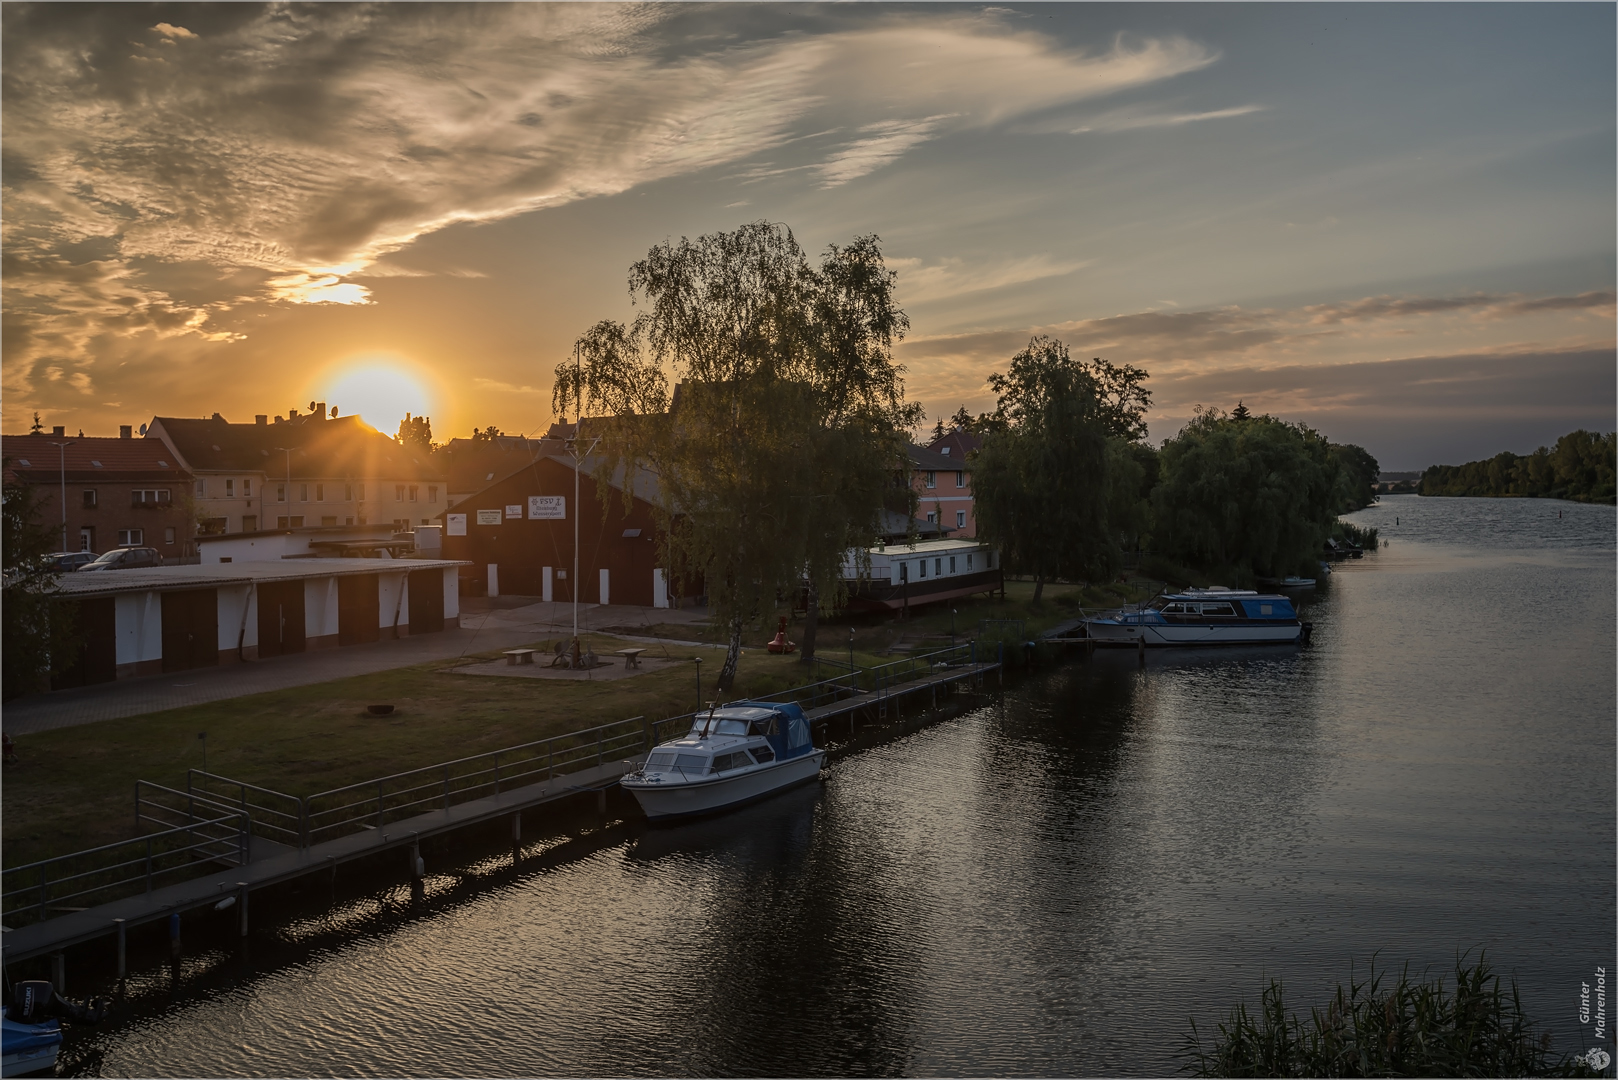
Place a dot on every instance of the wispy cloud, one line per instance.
(881, 143)
(1131, 119)
(920, 282)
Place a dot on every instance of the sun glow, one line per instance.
(380, 391)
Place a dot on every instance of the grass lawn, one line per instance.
(73, 788)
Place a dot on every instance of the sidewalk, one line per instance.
(503, 623)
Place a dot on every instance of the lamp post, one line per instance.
(573, 448)
(62, 452)
(288, 491)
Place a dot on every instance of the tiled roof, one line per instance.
(320, 449)
(959, 443)
(923, 458)
(474, 465)
(113, 460)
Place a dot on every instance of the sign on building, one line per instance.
(488, 517)
(547, 508)
(514, 510)
(454, 524)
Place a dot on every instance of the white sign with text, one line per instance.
(455, 525)
(547, 508)
(488, 517)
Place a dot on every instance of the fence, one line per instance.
(69, 882)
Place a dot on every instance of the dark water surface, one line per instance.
(1054, 882)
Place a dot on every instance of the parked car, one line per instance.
(66, 561)
(125, 559)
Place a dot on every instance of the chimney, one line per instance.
(59, 431)
(292, 414)
(216, 416)
(126, 431)
(262, 419)
(320, 410)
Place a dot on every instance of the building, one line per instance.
(470, 465)
(300, 470)
(943, 484)
(122, 492)
(176, 618)
(518, 535)
(902, 576)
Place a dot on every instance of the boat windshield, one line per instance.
(667, 761)
(717, 725)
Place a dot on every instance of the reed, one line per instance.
(1470, 1026)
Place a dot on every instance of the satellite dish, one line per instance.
(143, 430)
(334, 411)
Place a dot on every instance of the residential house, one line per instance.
(123, 492)
(300, 470)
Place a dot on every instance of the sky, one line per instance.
(1395, 223)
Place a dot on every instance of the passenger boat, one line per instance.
(732, 755)
(1214, 616)
(902, 576)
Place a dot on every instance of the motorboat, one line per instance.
(1291, 581)
(733, 754)
(1213, 616)
(31, 1026)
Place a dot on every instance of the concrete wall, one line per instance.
(393, 594)
(233, 599)
(138, 623)
(320, 613)
(452, 597)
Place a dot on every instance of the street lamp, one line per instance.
(288, 492)
(62, 450)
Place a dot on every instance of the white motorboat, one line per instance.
(1214, 616)
(732, 755)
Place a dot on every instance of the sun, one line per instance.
(380, 391)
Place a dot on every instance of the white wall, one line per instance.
(232, 599)
(253, 549)
(392, 590)
(320, 607)
(452, 592)
(138, 623)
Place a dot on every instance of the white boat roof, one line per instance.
(926, 547)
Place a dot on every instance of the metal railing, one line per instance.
(67, 883)
(1002, 629)
(371, 804)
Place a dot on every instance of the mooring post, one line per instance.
(59, 972)
(122, 966)
(516, 829)
(1142, 648)
(417, 866)
(601, 802)
(174, 935)
(241, 902)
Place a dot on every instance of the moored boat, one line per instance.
(1214, 616)
(31, 1026)
(732, 755)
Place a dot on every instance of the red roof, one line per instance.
(343, 447)
(35, 457)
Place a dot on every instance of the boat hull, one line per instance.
(29, 1048)
(669, 801)
(1157, 635)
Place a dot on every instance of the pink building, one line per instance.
(943, 482)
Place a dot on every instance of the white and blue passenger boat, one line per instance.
(732, 755)
(1214, 616)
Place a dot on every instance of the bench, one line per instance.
(631, 657)
(514, 655)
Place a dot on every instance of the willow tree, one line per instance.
(787, 418)
(1044, 478)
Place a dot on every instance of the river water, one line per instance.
(1050, 882)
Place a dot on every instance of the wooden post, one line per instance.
(1142, 648)
(59, 972)
(417, 866)
(516, 829)
(174, 935)
(241, 902)
(122, 966)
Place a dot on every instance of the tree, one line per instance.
(416, 433)
(38, 626)
(788, 418)
(1240, 413)
(38, 428)
(487, 435)
(1041, 476)
(1255, 496)
(962, 419)
(938, 429)
(1357, 475)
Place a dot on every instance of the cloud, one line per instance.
(883, 142)
(1490, 304)
(1132, 119)
(171, 32)
(919, 283)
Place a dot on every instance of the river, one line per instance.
(1050, 882)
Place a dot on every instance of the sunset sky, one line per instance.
(1393, 222)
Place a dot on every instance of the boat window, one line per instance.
(660, 759)
(763, 753)
(764, 727)
(1219, 610)
(1174, 609)
(725, 762)
(923, 564)
(1266, 609)
(730, 727)
(695, 762)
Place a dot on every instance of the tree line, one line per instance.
(1581, 466)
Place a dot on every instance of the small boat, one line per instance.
(732, 755)
(1214, 616)
(1291, 581)
(31, 1026)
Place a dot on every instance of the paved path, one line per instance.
(502, 624)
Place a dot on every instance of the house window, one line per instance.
(230, 489)
(297, 521)
(960, 478)
(249, 523)
(932, 479)
(923, 564)
(87, 538)
(281, 522)
(131, 537)
(938, 567)
(280, 493)
(89, 502)
(349, 520)
(168, 535)
(303, 492)
(432, 493)
(247, 489)
(361, 520)
(320, 493)
(202, 488)
(359, 495)
(348, 494)
(328, 521)
(960, 519)
(398, 493)
(412, 492)
(149, 497)
(968, 562)
(952, 564)
(932, 518)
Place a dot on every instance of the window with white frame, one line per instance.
(432, 493)
(131, 537)
(348, 494)
(960, 519)
(398, 493)
(149, 497)
(168, 535)
(280, 493)
(931, 479)
(247, 489)
(320, 493)
(412, 492)
(960, 478)
(303, 492)
(202, 489)
(230, 489)
(359, 496)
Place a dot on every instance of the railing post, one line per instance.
(42, 890)
(244, 826)
(599, 737)
(446, 789)
(303, 822)
(550, 763)
(137, 806)
(379, 805)
(148, 864)
(497, 773)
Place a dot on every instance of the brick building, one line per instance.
(122, 492)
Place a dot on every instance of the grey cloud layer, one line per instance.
(305, 143)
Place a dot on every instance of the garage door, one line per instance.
(190, 629)
(97, 658)
(426, 601)
(357, 600)
(280, 618)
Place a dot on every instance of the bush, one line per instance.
(1409, 1029)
